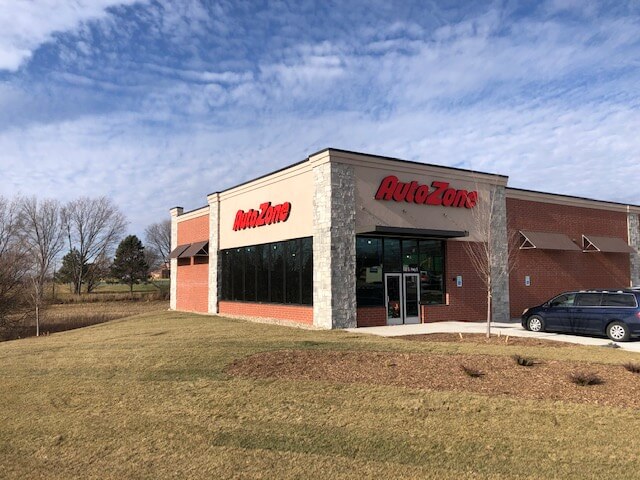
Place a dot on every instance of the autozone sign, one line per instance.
(266, 214)
(439, 193)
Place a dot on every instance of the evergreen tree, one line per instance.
(69, 271)
(130, 265)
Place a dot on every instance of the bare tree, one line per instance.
(490, 257)
(94, 227)
(96, 271)
(158, 239)
(13, 264)
(43, 240)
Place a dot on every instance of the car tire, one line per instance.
(535, 323)
(618, 332)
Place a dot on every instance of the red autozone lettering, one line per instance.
(439, 193)
(267, 214)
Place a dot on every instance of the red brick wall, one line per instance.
(554, 271)
(193, 230)
(371, 316)
(193, 279)
(467, 303)
(294, 313)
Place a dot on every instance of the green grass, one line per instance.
(148, 397)
(122, 288)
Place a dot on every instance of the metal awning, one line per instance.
(197, 249)
(547, 241)
(412, 232)
(175, 253)
(591, 243)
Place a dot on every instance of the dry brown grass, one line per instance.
(150, 397)
(59, 318)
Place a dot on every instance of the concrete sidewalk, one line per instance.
(513, 329)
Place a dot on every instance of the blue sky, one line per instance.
(157, 103)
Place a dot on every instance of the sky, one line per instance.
(158, 103)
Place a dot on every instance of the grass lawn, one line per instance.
(138, 287)
(151, 396)
(106, 291)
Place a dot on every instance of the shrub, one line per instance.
(472, 372)
(523, 361)
(585, 378)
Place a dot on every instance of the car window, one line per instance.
(588, 299)
(565, 300)
(619, 300)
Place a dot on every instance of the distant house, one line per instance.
(161, 273)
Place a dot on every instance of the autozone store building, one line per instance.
(345, 239)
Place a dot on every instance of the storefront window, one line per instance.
(392, 258)
(225, 284)
(376, 257)
(369, 286)
(250, 274)
(237, 267)
(279, 272)
(410, 259)
(292, 272)
(262, 267)
(307, 270)
(431, 271)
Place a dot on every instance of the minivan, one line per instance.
(614, 313)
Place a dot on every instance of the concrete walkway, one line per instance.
(513, 329)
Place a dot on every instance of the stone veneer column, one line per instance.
(214, 246)
(173, 275)
(334, 246)
(633, 224)
(500, 311)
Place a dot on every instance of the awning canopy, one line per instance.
(188, 250)
(547, 241)
(175, 253)
(197, 249)
(593, 243)
(411, 232)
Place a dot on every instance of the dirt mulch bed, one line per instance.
(481, 339)
(499, 375)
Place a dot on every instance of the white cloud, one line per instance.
(590, 151)
(25, 24)
(553, 104)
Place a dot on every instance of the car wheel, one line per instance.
(535, 324)
(618, 332)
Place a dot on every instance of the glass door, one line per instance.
(393, 298)
(411, 298)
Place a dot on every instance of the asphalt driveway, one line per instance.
(513, 329)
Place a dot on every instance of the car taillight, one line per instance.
(526, 310)
(638, 315)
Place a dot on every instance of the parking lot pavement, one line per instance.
(513, 329)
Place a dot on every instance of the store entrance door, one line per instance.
(402, 298)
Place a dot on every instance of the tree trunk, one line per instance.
(131, 290)
(488, 313)
(37, 320)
